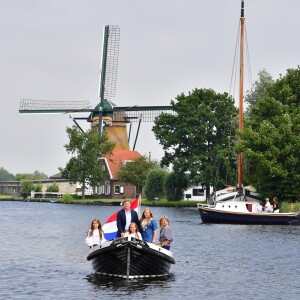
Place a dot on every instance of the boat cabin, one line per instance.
(239, 206)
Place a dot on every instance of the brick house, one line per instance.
(114, 188)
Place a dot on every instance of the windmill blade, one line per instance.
(137, 113)
(29, 106)
(109, 63)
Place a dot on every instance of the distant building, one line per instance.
(111, 189)
(13, 188)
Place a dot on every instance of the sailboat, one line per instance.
(242, 206)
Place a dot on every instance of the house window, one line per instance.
(198, 192)
(119, 189)
(104, 189)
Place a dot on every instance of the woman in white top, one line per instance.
(95, 234)
(133, 231)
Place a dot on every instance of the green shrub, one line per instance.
(38, 188)
(175, 184)
(53, 188)
(155, 184)
(67, 198)
(289, 207)
(27, 186)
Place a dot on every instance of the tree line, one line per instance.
(201, 138)
(201, 143)
(26, 181)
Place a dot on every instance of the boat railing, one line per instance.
(234, 197)
(205, 205)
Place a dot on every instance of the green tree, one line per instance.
(53, 188)
(135, 172)
(85, 166)
(39, 175)
(174, 186)
(36, 175)
(259, 88)
(154, 187)
(5, 175)
(26, 187)
(200, 136)
(271, 139)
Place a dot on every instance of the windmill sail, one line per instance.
(104, 115)
(109, 63)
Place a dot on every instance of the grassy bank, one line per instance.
(115, 202)
(285, 207)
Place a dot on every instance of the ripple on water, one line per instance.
(43, 256)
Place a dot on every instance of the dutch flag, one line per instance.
(110, 228)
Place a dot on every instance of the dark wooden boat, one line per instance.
(131, 258)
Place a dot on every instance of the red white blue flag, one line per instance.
(110, 228)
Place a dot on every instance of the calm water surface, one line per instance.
(43, 256)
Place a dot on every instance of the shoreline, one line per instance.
(108, 202)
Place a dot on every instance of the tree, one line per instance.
(154, 187)
(39, 175)
(259, 88)
(36, 175)
(199, 137)
(135, 172)
(174, 186)
(271, 139)
(5, 175)
(26, 187)
(85, 166)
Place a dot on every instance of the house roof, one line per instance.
(117, 159)
(56, 176)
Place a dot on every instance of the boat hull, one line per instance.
(131, 259)
(211, 215)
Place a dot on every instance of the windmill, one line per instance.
(106, 115)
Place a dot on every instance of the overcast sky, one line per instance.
(51, 49)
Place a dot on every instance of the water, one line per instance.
(43, 256)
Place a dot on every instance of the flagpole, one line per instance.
(139, 205)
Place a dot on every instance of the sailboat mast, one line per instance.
(241, 95)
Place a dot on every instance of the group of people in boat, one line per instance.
(268, 207)
(129, 225)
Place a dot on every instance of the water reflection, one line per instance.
(121, 285)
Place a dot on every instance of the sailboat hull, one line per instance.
(212, 215)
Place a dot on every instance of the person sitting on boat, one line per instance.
(125, 217)
(95, 234)
(133, 231)
(148, 226)
(165, 235)
(275, 205)
(268, 206)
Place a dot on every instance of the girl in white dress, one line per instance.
(133, 231)
(95, 234)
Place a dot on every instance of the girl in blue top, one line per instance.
(148, 226)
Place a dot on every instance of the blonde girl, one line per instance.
(133, 231)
